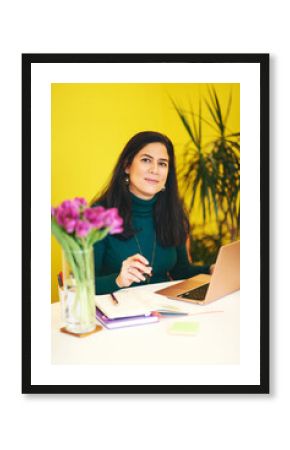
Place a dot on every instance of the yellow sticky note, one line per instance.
(184, 328)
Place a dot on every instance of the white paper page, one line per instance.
(129, 304)
(133, 303)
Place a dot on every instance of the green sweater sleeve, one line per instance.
(104, 284)
(183, 268)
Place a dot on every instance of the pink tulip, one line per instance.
(76, 217)
(69, 225)
(67, 215)
(80, 201)
(113, 221)
(82, 228)
(95, 216)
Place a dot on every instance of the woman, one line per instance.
(152, 246)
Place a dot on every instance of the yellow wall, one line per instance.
(91, 123)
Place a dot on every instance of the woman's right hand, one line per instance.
(133, 270)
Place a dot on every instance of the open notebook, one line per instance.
(133, 303)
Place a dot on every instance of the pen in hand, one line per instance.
(114, 299)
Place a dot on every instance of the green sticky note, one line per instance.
(187, 328)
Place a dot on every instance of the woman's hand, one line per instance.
(133, 270)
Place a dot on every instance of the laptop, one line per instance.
(203, 289)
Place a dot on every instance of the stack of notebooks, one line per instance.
(130, 307)
(125, 321)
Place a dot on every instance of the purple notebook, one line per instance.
(124, 321)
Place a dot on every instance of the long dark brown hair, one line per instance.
(171, 222)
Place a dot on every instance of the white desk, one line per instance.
(216, 342)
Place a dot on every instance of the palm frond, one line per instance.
(185, 122)
(228, 109)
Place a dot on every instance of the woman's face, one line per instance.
(148, 171)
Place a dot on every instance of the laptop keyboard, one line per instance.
(196, 294)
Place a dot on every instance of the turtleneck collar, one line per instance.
(142, 207)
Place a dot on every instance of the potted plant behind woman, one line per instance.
(210, 176)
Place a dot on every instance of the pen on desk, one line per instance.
(171, 313)
(114, 299)
(59, 280)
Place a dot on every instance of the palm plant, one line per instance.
(210, 176)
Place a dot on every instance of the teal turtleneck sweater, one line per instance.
(169, 262)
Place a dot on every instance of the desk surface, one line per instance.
(216, 342)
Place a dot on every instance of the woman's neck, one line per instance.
(141, 206)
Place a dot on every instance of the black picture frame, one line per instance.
(263, 61)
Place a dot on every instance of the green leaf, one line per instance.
(69, 245)
(218, 109)
(97, 235)
(212, 113)
(228, 109)
(185, 122)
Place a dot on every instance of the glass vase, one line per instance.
(78, 304)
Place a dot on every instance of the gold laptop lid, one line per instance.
(224, 280)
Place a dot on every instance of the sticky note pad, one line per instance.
(184, 328)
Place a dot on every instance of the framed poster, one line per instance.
(78, 112)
